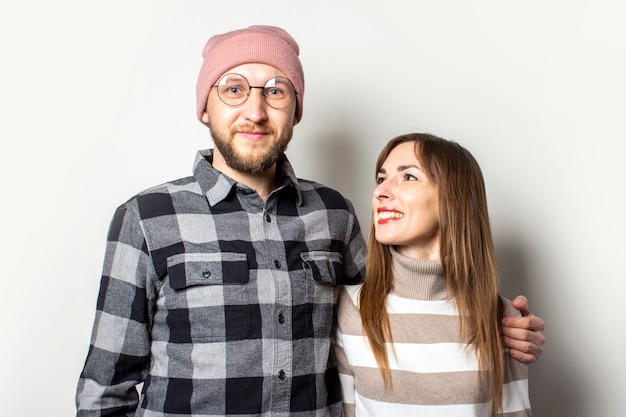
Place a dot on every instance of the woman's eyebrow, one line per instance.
(399, 168)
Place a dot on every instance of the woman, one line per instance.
(406, 350)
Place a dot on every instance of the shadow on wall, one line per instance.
(556, 389)
(339, 162)
(335, 152)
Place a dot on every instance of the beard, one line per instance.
(256, 163)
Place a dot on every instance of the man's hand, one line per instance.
(523, 335)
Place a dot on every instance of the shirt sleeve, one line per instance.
(355, 253)
(118, 357)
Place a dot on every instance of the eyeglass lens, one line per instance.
(234, 89)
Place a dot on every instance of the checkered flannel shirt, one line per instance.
(219, 303)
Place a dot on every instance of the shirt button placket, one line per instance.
(282, 346)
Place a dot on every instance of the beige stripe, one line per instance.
(422, 389)
(347, 314)
(406, 328)
(342, 361)
(522, 413)
(348, 410)
(424, 328)
(514, 370)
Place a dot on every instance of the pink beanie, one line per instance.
(256, 44)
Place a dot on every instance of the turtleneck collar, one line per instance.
(417, 279)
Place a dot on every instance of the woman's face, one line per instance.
(406, 205)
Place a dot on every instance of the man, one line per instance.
(218, 290)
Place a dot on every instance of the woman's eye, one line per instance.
(379, 180)
(409, 177)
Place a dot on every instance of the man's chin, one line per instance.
(250, 165)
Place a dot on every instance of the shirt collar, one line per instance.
(216, 186)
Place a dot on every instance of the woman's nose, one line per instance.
(382, 190)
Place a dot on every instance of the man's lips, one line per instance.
(253, 135)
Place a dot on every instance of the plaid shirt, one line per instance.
(219, 303)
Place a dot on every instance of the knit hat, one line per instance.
(256, 44)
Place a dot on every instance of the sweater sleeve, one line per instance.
(345, 312)
(118, 356)
(515, 393)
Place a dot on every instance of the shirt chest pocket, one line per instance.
(322, 270)
(207, 297)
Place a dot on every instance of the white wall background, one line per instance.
(97, 103)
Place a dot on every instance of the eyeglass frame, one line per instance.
(250, 87)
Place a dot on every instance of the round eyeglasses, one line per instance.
(234, 89)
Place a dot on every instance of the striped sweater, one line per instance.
(433, 373)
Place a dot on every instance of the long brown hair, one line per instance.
(467, 257)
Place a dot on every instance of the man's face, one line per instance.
(251, 136)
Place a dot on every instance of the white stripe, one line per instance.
(347, 388)
(515, 396)
(413, 357)
(399, 305)
(353, 292)
(366, 407)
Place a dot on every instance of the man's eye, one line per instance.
(273, 92)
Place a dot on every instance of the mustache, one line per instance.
(253, 128)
